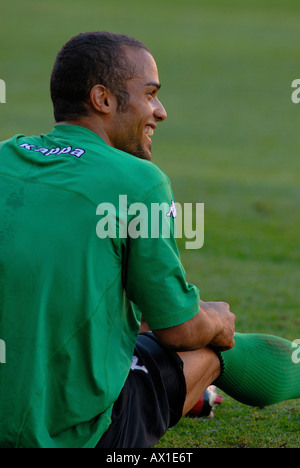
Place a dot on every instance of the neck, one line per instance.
(91, 125)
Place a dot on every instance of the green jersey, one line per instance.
(71, 297)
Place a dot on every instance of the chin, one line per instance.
(142, 153)
(147, 156)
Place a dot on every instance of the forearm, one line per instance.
(196, 333)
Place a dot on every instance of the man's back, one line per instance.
(61, 292)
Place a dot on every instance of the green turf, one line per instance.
(231, 141)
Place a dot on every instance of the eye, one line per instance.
(152, 93)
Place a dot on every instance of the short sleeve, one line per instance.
(155, 279)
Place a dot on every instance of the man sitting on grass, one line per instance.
(77, 371)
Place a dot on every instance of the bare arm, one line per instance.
(213, 325)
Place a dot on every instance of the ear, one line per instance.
(102, 99)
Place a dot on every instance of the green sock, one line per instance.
(260, 370)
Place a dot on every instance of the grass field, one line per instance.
(231, 141)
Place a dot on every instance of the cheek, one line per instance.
(133, 123)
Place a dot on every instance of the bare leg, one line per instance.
(201, 369)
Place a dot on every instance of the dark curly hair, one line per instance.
(84, 61)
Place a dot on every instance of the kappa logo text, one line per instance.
(78, 152)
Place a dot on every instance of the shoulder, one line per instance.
(10, 141)
(137, 175)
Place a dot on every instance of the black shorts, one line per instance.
(152, 399)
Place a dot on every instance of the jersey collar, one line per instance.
(75, 131)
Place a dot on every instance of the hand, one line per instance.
(225, 323)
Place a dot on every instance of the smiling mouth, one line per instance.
(149, 131)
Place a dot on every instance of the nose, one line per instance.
(159, 112)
